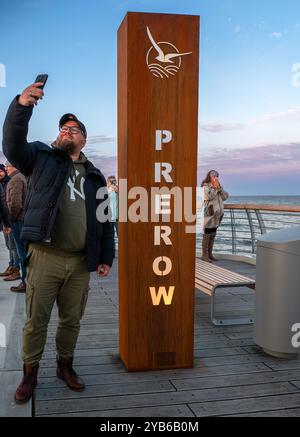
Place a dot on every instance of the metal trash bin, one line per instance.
(277, 296)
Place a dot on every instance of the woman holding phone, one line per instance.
(213, 211)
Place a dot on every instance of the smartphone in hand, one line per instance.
(41, 78)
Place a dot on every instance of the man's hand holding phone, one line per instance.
(31, 95)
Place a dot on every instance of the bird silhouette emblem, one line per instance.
(163, 58)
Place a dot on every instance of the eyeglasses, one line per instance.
(214, 173)
(71, 129)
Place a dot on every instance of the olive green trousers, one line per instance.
(53, 278)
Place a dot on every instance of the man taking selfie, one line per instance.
(65, 241)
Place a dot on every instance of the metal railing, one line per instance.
(243, 223)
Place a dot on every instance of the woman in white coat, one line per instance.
(213, 211)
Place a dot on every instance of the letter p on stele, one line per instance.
(162, 137)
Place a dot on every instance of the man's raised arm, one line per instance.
(15, 146)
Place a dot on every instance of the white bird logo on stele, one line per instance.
(165, 53)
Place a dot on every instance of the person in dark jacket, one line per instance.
(4, 178)
(65, 240)
(15, 198)
(4, 214)
(12, 270)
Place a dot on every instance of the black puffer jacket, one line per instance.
(49, 169)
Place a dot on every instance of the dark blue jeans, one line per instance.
(11, 246)
(16, 231)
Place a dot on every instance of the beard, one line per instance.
(67, 145)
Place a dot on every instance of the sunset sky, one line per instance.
(249, 100)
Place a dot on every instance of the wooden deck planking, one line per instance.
(246, 406)
(194, 398)
(229, 370)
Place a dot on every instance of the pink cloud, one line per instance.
(262, 162)
(222, 127)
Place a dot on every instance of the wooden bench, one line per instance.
(209, 277)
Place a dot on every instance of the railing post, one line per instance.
(233, 230)
(251, 230)
(261, 222)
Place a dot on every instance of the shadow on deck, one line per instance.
(231, 376)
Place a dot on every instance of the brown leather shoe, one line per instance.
(28, 384)
(8, 271)
(14, 276)
(66, 372)
(21, 288)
